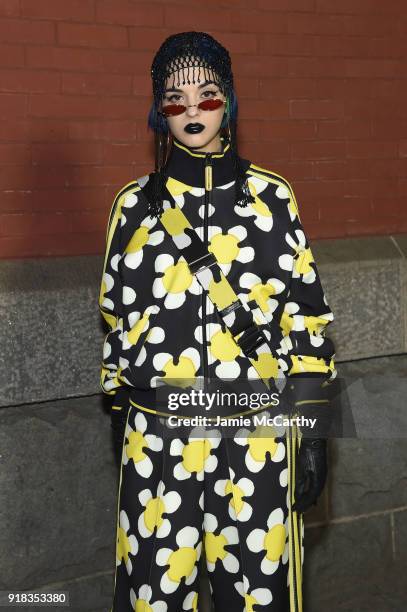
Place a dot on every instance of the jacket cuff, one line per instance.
(309, 398)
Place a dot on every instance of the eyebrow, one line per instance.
(199, 86)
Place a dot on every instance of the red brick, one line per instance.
(281, 5)
(370, 25)
(14, 131)
(86, 35)
(93, 84)
(207, 20)
(237, 42)
(88, 221)
(66, 154)
(41, 105)
(124, 107)
(318, 109)
(10, 8)
(11, 56)
(340, 46)
(318, 149)
(257, 21)
(286, 44)
(295, 87)
(126, 62)
(97, 176)
(12, 153)
(385, 68)
(74, 10)
(125, 153)
(254, 66)
(368, 7)
(142, 85)
(300, 169)
(26, 31)
(264, 109)
(306, 23)
(343, 129)
(34, 224)
(288, 130)
(372, 148)
(129, 13)
(63, 58)
(29, 81)
(12, 105)
(47, 130)
(147, 39)
(330, 169)
(44, 199)
(121, 130)
(249, 130)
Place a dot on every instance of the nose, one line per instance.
(192, 110)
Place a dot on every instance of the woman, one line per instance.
(208, 276)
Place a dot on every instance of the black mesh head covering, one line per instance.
(208, 60)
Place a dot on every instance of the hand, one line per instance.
(311, 472)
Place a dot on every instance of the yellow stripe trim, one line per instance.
(317, 401)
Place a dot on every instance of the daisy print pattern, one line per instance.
(256, 597)
(228, 496)
(182, 561)
(175, 282)
(222, 350)
(197, 456)
(239, 508)
(143, 600)
(215, 544)
(127, 544)
(273, 542)
(155, 507)
(263, 441)
(262, 292)
(138, 440)
(203, 494)
(142, 236)
(225, 246)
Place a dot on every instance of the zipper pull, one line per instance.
(208, 172)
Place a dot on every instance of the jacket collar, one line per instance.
(188, 166)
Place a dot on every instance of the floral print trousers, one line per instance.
(228, 494)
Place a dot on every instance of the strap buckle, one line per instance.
(251, 339)
(231, 308)
(205, 261)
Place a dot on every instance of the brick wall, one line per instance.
(322, 95)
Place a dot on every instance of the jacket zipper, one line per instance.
(208, 191)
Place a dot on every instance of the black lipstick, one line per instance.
(194, 128)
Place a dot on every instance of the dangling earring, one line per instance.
(229, 134)
(167, 146)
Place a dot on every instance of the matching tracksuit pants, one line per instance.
(227, 494)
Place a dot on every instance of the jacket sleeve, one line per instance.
(110, 302)
(307, 316)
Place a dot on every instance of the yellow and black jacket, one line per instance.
(162, 324)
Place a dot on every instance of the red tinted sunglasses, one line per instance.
(177, 109)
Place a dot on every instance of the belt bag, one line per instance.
(238, 317)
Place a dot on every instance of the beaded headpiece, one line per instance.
(208, 59)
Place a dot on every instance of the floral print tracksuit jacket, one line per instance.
(161, 322)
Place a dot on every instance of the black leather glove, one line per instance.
(310, 473)
(118, 419)
(311, 466)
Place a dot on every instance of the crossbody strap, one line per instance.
(238, 317)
